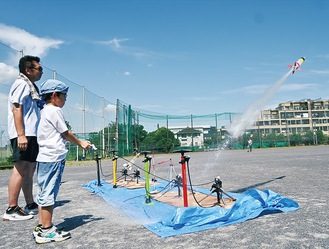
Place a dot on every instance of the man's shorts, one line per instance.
(30, 154)
(49, 177)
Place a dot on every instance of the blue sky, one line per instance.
(174, 57)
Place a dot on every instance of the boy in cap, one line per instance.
(52, 136)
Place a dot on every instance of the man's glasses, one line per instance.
(40, 69)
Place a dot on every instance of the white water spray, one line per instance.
(249, 117)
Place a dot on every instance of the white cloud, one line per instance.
(252, 89)
(110, 108)
(127, 73)
(20, 39)
(114, 43)
(298, 87)
(325, 56)
(8, 73)
(323, 72)
(200, 98)
(258, 89)
(3, 109)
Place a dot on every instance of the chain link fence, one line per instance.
(107, 124)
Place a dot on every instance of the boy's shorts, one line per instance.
(49, 176)
(30, 154)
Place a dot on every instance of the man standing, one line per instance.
(23, 119)
(249, 145)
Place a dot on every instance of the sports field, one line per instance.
(299, 173)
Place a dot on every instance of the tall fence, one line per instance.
(85, 112)
(107, 124)
(128, 119)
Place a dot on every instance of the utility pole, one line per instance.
(1, 132)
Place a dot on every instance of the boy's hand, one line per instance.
(86, 145)
(93, 147)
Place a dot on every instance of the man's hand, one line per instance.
(22, 142)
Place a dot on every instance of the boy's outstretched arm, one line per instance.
(69, 136)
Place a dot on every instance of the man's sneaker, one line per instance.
(51, 235)
(16, 213)
(31, 208)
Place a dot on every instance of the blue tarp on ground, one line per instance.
(166, 220)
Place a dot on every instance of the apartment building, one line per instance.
(289, 117)
(295, 117)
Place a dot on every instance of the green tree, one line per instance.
(213, 138)
(162, 140)
(138, 135)
(308, 138)
(271, 139)
(208, 142)
(321, 138)
(281, 137)
(296, 139)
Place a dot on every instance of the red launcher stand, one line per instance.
(183, 162)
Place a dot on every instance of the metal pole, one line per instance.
(114, 164)
(83, 110)
(77, 153)
(184, 180)
(98, 170)
(287, 128)
(54, 74)
(192, 132)
(103, 130)
(83, 116)
(117, 127)
(216, 122)
(1, 132)
(146, 162)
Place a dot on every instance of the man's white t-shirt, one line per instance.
(51, 143)
(20, 93)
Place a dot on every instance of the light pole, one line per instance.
(1, 132)
(315, 135)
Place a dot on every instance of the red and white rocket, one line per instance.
(297, 64)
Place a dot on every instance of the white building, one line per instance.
(188, 136)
